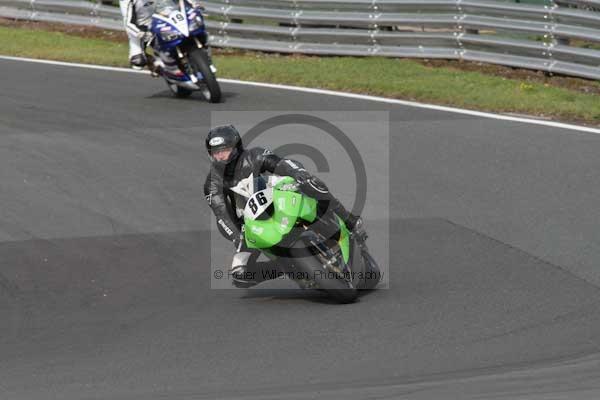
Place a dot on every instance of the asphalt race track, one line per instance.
(106, 244)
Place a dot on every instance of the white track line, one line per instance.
(68, 64)
(334, 93)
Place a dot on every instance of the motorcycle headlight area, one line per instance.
(195, 22)
(167, 36)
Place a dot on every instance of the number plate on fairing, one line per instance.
(179, 21)
(258, 203)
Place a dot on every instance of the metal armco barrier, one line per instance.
(559, 36)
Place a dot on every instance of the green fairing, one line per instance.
(288, 207)
(344, 240)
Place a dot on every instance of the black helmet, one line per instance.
(224, 137)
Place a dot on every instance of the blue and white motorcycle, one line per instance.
(180, 44)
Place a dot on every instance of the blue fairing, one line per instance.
(198, 32)
(160, 27)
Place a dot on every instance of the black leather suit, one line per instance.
(221, 198)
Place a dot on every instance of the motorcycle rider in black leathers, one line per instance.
(230, 163)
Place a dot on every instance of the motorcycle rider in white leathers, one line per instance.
(137, 17)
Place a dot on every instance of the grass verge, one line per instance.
(394, 78)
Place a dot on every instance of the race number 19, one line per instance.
(177, 18)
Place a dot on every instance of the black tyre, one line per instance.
(178, 91)
(372, 271)
(199, 60)
(314, 267)
(338, 289)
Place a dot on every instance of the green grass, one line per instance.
(409, 79)
(59, 46)
(404, 79)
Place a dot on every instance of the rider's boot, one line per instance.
(138, 61)
(154, 65)
(354, 223)
(316, 188)
(357, 228)
(247, 276)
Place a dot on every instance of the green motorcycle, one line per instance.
(310, 243)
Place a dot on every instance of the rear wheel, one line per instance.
(201, 63)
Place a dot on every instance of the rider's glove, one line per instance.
(311, 185)
(302, 177)
(144, 36)
(357, 228)
(147, 37)
(196, 4)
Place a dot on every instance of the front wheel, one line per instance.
(336, 286)
(200, 62)
(317, 269)
(372, 271)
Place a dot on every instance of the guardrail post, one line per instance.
(94, 16)
(223, 35)
(296, 12)
(374, 27)
(561, 39)
(458, 30)
(32, 11)
(549, 38)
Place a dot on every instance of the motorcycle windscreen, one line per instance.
(165, 7)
